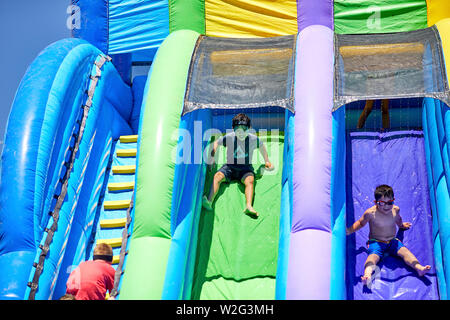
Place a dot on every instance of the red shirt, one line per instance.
(91, 280)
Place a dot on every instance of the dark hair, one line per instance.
(241, 119)
(68, 296)
(103, 251)
(383, 191)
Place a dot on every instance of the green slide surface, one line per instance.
(237, 254)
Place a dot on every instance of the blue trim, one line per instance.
(435, 222)
(189, 180)
(441, 197)
(338, 208)
(285, 208)
(94, 21)
(127, 33)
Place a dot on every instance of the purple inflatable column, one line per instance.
(312, 12)
(310, 242)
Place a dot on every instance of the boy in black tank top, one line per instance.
(240, 145)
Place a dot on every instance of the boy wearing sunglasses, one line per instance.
(383, 218)
(240, 145)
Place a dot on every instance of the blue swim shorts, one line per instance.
(383, 249)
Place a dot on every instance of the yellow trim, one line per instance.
(116, 259)
(370, 50)
(128, 139)
(238, 56)
(124, 169)
(115, 186)
(116, 204)
(126, 152)
(443, 27)
(437, 10)
(249, 62)
(114, 242)
(113, 223)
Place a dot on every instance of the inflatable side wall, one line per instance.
(152, 230)
(45, 124)
(436, 128)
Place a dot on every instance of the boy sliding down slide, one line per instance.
(240, 145)
(383, 218)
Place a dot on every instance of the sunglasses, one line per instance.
(384, 203)
(241, 126)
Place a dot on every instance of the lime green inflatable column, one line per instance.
(150, 242)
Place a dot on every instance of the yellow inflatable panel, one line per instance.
(114, 242)
(116, 186)
(116, 259)
(113, 223)
(126, 153)
(116, 204)
(444, 32)
(250, 18)
(123, 169)
(437, 10)
(128, 139)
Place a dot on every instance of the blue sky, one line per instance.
(26, 28)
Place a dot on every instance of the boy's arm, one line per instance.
(214, 149)
(399, 220)
(213, 152)
(361, 222)
(263, 150)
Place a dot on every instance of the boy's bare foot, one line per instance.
(206, 204)
(251, 211)
(422, 270)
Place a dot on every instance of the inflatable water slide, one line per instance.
(96, 153)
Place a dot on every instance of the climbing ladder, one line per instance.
(118, 195)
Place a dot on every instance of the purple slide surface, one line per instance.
(395, 158)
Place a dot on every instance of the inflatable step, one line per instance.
(116, 204)
(122, 153)
(124, 169)
(118, 186)
(114, 242)
(113, 223)
(128, 139)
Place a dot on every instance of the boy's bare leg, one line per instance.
(364, 114)
(412, 261)
(385, 113)
(249, 185)
(369, 267)
(219, 177)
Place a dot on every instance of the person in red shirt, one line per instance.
(92, 279)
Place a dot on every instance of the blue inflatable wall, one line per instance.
(43, 127)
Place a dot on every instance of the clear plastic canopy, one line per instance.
(231, 73)
(389, 65)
